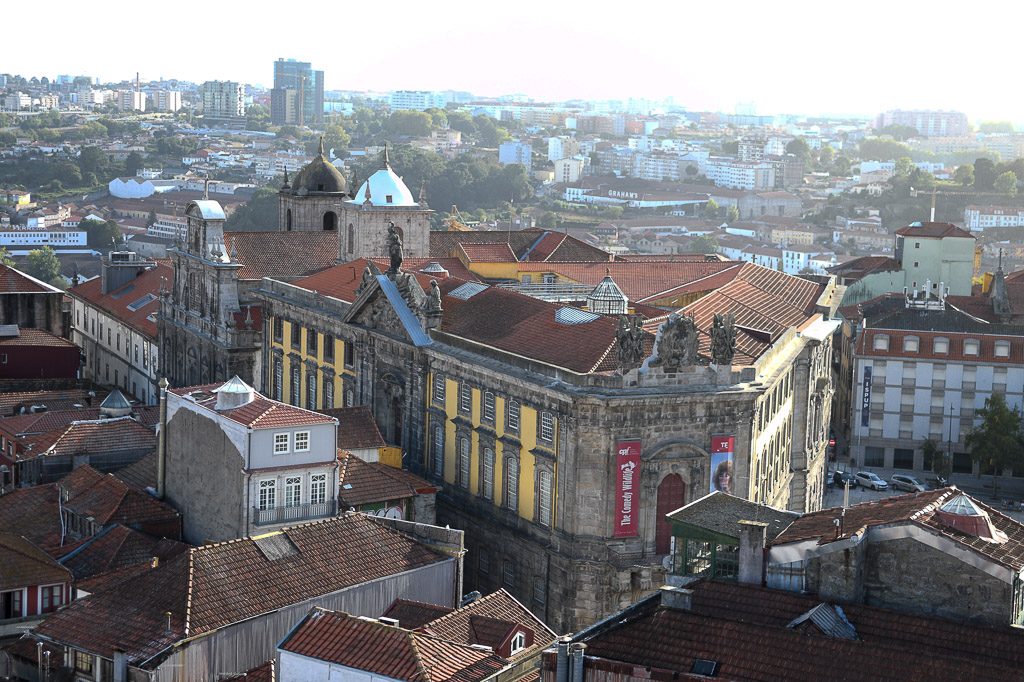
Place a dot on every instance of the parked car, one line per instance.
(841, 477)
(868, 479)
(904, 482)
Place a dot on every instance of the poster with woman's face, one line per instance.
(721, 464)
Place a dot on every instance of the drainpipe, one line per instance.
(161, 442)
(577, 663)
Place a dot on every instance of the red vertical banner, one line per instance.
(722, 448)
(627, 498)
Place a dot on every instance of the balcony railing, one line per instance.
(298, 512)
(552, 292)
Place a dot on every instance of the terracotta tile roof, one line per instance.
(363, 483)
(357, 428)
(249, 317)
(11, 403)
(32, 513)
(261, 413)
(117, 548)
(17, 282)
(141, 474)
(933, 230)
(489, 620)
(101, 582)
(109, 500)
(28, 336)
(201, 587)
(744, 629)
(91, 437)
(527, 327)
(23, 564)
(116, 302)
(264, 672)
(639, 280)
(414, 614)
(393, 652)
(342, 281)
(282, 254)
(454, 266)
(553, 245)
(721, 513)
(858, 268)
(488, 253)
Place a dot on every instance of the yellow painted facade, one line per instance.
(343, 376)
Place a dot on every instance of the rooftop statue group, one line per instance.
(678, 342)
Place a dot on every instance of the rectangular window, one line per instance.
(512, 422)
(281, 443)
(278, 329)
(971, 347)
(1002, 349)
(294, 397)
(350, 354)
(902, 458)
(296, 337)
(268, 494)
(539, 593)
(544, 499)
(50, 597)
(547, 427)
(83, 663)
(328, 394)
(940, 346)
(727, 562)
(512, 483)
(439, 385)
(301, 441)
(464, 456)
(293, 491)
(318, 488)
(465, 398)
(874, 456)
(488, 486)
(698, 557)
(278, 379)
(328, 348)
(438, 451)
(488, 415)
(311, 342)
(311, 391)
(509, 574)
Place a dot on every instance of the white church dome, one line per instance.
(386, 188)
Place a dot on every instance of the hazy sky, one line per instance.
(793, 57)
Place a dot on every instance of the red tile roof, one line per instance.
(22, 564)
(858, 268)
(108, 435)
(141, 474)
(364, 483)
(28, 336)
(117, 301)
(414, 614)
(116, 549)
(17, 282)
(109, 500)
(357, 427)
(552, 246)
(488, 253)
(11, 403)
(260, 413)
(264, 672)
(282, 254)
(986, 345)
(744, 629)
(934, 230)
(639, 280)
(393, 652)
(201, 587)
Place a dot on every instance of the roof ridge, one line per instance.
(421, 670)
(188, 594)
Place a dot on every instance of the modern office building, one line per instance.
(298, 94)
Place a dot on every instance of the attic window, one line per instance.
(911, 344)
(702, 666)
(940, 346)
(881, 342)
(388, 198)
(145, 300)
(518, 642)
(1002, 349)
(468, 290)
(971, 347)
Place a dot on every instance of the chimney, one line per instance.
(120, 665)
(577, 662)
(562, 661)
(753, 536)
(676, 598)
(161, 442)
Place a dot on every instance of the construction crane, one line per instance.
(453, 224)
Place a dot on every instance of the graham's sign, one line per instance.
(621, 194)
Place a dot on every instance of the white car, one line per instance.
(904, 482)
(866, 479)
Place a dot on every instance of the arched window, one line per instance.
(351, 238)
(330, 221)
(288, 220)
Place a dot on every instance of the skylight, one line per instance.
(468, 290)
(574, 316)
(145, 300)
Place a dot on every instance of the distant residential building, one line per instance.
(755, 175)
(56, 236)
(928, 123)
(515, 152)
(569, 170)
(15, 197)
(298, 94)
(222, 100)
(165, 100)
(16, 101)
(977, 218)
(562, 148)
(417, 100)
(789, 169)
(131, 100)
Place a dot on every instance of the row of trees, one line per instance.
(40, 263)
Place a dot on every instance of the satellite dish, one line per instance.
(667, 563)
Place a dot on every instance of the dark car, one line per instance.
(841, 477)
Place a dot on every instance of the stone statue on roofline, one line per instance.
(395, 249)
(677, 344)
(365, 281)
(630, 340)
(723, 339)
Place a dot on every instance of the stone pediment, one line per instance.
(381, 304)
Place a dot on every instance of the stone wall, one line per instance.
(39, 310)
(839, 576)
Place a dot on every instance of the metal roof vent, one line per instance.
(963, 514)
(115, 405)
(435, 267)
(234, 393)
(607, 298)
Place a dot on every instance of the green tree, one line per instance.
(899, 132)
(732, 214)
(798, 147)
(996, 127)
(257, 117)
(43, 265)
(711, 208)
(462, 121)
(259, 212)
(336, 139)
(93, 160)
(996, 443)
(291, 130)
(1006, 184)
(964, 174)
(936, 459)
(547, 221)
(904, 167)
(101, 236)
(133, 163)
(691, 171)
(731, 147)
(984, 174)
(408, 124)
(841, 166)
(879, 149)
(705, 244)
(5, 257)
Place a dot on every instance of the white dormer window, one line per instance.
(1002, 349)
(911, 344)
(518, 642)
(971, 347)
(302, 441)
(940, 346)
(281, 443)
(881, 342)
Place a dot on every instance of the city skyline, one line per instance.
(793, 61)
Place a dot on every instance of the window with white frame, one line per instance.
(311, 391)
(509, 573)
(50, 598)
(282, 442)
(488, 474)
(278, 379)
(940, 346)
(512, 422)
(547, 427)
(328, 394)
(911, 344)
(518, 642)
(439, 383)
(465, 398)
(350, 398)
(544, 498)
(1002, 349)
(438, 450)
(464, 456)
(488, 413)
(292, 491)
(881, 342)
(296, 380)
(317, 488)
(512, 483)
(268, 494)
(302, 441)
(971, 347)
